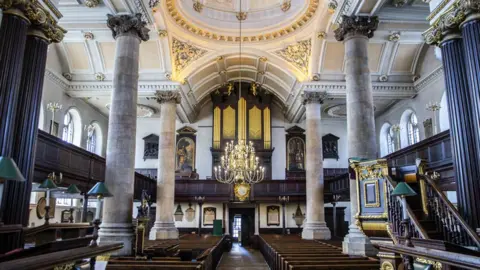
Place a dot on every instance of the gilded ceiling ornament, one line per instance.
(356, 25)
(162, 33)
(153, 3)
(316, 77)
(220, 58)
(197, 6)
(168, 75)
(168, 96)
(321, 35)
(183, 22)
(261, 72)
(92, 3)
(88, 36)
(126, 24)
(286, 5)
(184, 54)
(263, 59)
(399, 3)
(386, 265)
(241, 16)
(297, 54)
(67, 76)
(314, 97)
(222, 72)
(394, 37)
(332, 6)
(99, 76)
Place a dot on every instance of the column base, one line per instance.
(316, 230)
(163, 231)
(356, 243)
(115, 233)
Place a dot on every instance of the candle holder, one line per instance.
(100, 191)
(433, 107)
(53, 107)
(48, 185)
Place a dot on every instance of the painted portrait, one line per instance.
(185, 155)
(296, 154)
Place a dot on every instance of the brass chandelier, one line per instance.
(239, 165)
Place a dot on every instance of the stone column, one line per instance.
(227, 220)
(470, 209)
(361, 136)
(164, 227)
(128, 31)
(315, 226)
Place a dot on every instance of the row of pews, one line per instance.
(290, 252)
(189, 252)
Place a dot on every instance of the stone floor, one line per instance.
(240, 258)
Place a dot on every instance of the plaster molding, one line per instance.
(57, 79)
(297, 54)
(423, 84)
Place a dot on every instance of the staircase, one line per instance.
(433, 221)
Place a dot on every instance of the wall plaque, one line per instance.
(330, 146)
(273, 215)
(150, 150)
(209, 215)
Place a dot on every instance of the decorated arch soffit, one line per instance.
(184, 53)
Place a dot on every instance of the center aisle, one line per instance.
(240, 258)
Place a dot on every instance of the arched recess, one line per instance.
(73, 126)
(210, 72)
(383, 140)
(41, 118)
(405, 119)
(443, 118)
(95, 138)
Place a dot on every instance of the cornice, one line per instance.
(435, 75)
(346, 8)
(57, 79)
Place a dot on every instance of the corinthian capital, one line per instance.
(471, 7)
(168, 96)
(356, 25)
(314, 97)
(128, 24)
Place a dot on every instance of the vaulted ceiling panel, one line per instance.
(275, 86)
(333, 57)
(107, 50)
(149, 55)
(204, 72)
(201, 90)
(289, 80)
(78, 56)
(233, 74)
(235, 61)
(375, 51)
(405, 57)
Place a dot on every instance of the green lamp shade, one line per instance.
(9, 170)
(403, 189)
(48, 184)
(73, 189)
(99, 190)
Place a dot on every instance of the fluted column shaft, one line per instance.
(463, 128)
(361, 136)
(128, 32)
(469, 207)
(164, 227)
(315, 226)
(13, 36)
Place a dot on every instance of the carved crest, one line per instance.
(184, 54)
(297, 54)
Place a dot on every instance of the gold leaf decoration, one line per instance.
(184, 54)
(298, 54)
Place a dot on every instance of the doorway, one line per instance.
(242, 225)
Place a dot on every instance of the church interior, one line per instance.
(239, 134)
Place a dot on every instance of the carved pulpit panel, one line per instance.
(150, 147)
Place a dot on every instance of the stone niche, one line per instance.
(295, 153)
(185, 154)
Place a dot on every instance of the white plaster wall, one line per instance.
(431, 93)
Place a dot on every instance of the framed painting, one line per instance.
(273, 215)
(209, 215)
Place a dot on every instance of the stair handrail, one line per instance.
(412, 218)
(430, 180)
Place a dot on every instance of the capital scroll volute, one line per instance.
(356, 25)
(126, 23)
(168, 97)
(312, 97)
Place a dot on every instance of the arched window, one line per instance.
(390, 140)
(91, 139)
(443, 118)
(412, 129)
(68, 127)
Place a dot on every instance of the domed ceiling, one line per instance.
(261, 19)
